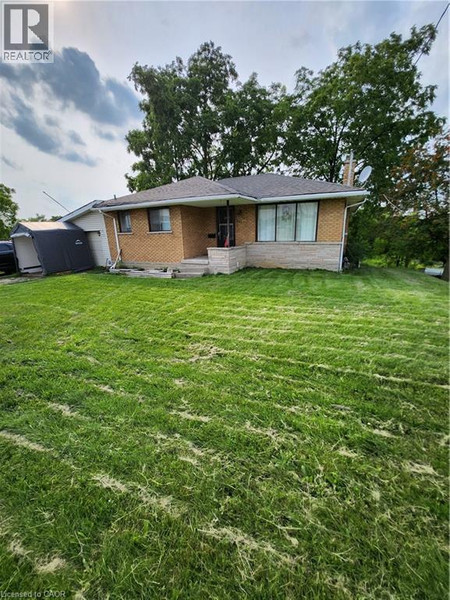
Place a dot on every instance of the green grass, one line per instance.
(265, 435)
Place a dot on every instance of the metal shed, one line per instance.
(51, 247)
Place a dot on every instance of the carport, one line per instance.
(51, 247)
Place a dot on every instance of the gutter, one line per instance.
(326, 196)
(341, 253)
(175, 201)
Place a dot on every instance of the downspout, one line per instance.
(116, 237)
(341, 253)
(228, 224)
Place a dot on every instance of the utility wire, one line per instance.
(436, 26)
(59, 203)
(383, 131)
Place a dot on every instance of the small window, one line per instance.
(125, 221)
(159, 219)
(307, 221)
(286, 222)
(266, 223)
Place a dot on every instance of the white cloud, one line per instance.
(272, 38)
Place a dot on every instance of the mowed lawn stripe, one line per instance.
(299, 466)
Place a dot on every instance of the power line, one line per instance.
(383, 131)
(59, 203)
(436, 26)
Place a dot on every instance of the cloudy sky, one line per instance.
(63, 125)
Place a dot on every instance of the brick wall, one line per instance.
(227, 260)
(245, 217)
(331, 215)
(141, 246)
(197, 223)
(190, 229)
(294, 255)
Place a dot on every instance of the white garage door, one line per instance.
(99, 247)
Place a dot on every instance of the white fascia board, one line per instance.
(220, 199)
(77, 213)
(176, 201)
(325, 196)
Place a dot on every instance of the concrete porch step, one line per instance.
(195, 266)
(188, 275)
(201, 260)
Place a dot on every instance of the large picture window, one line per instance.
(124, 221)
(296, 221)
(159, 219)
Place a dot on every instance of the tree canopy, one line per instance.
(370, 101)
(8, 211)
(199, 119)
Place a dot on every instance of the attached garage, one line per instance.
(93, 223)
(51, 247)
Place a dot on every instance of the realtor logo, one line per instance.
(27, 32)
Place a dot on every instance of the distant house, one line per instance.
(264, 220)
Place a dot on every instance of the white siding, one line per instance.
(94, 225)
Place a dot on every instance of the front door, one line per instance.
(222, 228)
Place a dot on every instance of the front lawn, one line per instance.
(264, 435)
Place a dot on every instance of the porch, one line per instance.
(218, 260)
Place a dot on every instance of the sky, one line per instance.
(63, 124)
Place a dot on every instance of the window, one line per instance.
(306, 221)
(159, 219)
(288, 222)
(266, 223)
(124, 221)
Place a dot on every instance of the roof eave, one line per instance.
(196, 200)
(236, 199)
(317, 196)
(78, 212)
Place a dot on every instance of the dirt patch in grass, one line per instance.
(20, 440)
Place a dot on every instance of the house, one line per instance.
(93, 224)
(265, 220)
(44, 247)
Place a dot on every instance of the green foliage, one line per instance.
(200, 121)
(370, 101)
(8, 211)
(269, 435)
(39, 218)
(412, 224)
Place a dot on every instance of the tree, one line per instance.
(8, 211)
(412, 222)
(199, 120)
(39, 218)
(370, 101)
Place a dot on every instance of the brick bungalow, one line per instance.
(198, 225)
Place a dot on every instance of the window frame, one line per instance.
(150, 230)
(295, 240)
(121, 213)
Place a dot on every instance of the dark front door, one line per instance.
(222, 228)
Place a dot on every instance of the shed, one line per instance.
(51, 247)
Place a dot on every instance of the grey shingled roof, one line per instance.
(271, 185)
(186, 188)
(265, 185)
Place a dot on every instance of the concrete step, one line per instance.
(195, 261)
(188, 275)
